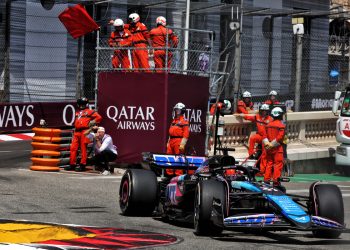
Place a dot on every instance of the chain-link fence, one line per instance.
(40, 62)
(173, 57)
(269, 62)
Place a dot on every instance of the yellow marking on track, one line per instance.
(35, 233)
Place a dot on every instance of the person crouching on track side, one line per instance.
(104, 149)
(159, 42)
(261, 120)
(273, 145)
(120, 37)
(85, 118)
(179, 132)
(245, 106)
(141, 39)
(272, 98)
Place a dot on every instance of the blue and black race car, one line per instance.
(222, 195)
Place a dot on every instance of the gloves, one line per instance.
(92, 123)
(268, 145)
(182, 145)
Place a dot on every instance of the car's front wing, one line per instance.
(277, 222)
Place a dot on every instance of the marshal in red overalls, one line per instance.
(275, 134)
(84, 119)
(179, 133)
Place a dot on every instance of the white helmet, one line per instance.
(227, 104)
(161, 20)
(276, 112)
(134, 18)
(264, 107)
(118, 22)
(247, 94)
(273, 92)
(181, 107)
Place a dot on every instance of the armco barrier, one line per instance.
(50, 149)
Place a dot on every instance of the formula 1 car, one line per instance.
(224, 195)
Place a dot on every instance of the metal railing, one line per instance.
(196, 60)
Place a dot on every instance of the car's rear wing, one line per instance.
(166, 161)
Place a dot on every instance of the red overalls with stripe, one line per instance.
(242, 107)
(140, 36)
(81, 124)
(179, 129)
(275, 134)
(261, 123)
(159, 42)
(120, 57)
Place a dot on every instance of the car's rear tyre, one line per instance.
(206, 192)
(326, 201)
(138, 192)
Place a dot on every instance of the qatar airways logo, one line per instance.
(16, 116)
(194, 118)
(132, 117)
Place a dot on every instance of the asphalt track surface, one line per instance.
(92, 200)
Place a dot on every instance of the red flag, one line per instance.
(77, 21)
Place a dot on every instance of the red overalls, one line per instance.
(179, 129)
(140, 36)
(81, 124)
(275, 134)
(242, 107)
(158, 36)
(270, 102)
(261, 123)
(120, 58)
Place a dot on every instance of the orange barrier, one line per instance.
(49, 153)
(50, 149)
(45, 168)
(50, 146)
(50, 139)
(51, 132)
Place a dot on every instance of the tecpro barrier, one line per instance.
(50, 149)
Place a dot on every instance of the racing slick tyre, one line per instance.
(206, 192)
(138, 192)
(326, 201)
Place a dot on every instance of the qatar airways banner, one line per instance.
(137, 110)
(25, 116)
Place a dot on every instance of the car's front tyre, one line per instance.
(138, 192)
(205, 193)
(326, 201)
